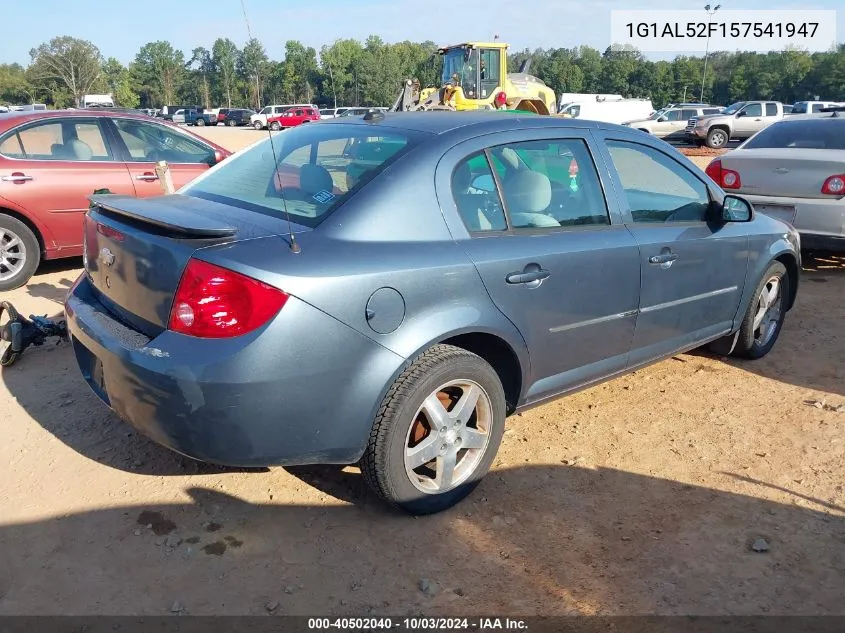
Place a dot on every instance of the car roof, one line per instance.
(440, 122)
(15, 117)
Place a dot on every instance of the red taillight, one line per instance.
(834, 186)
(725, 178)
(214, 302)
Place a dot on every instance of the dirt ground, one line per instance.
(645, 495)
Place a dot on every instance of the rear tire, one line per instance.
(17, 243)
(446, 387)
(764, 318)
(231, 123)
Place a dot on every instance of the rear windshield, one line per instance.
(821, 133)
(316, 169)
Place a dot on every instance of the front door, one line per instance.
(542, 239)
(693, 270)
(54, 165)
(145, 143)
(749, 120)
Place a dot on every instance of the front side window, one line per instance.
(68, 139)
(266, 110)
(315, 169)
(755, 109)
(657, 187)
(674, 115)
(149, 142)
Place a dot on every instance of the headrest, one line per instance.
(527, 191)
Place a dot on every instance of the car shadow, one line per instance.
(65, 264)
(46, 382)
(532, 540)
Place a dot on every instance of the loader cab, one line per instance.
(476, 69)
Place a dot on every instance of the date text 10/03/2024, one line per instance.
(419, 624)
(682, 30)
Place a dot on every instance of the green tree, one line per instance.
(67, 62)
(117, 80)
(161, 69)
(252, 64)
(224, 55)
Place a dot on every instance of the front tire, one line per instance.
(717, 138)
(437, 431)
(257, 125)
(231, 123)
(20, 253)
(275, 126)
(765, 315)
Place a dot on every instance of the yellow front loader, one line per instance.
(475, 77)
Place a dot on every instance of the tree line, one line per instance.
(369, 73)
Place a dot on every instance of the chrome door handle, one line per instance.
(665, 258)
(147, 177)
(16, 178)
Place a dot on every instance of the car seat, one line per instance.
(315, 178)
(528, 195)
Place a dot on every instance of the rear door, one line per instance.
(52, 165)
(552, 253)
(693, 270)
(144, 143)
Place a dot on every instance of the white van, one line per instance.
(617, 112)
(578, 97)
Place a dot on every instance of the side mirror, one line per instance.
(218, 156)
(741, 113)
(736, 209)
(484, 183)
(663, 119)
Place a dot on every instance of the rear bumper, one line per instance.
(819, 221)
(275, 397)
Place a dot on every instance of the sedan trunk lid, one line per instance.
(136, 249)
(784, 172)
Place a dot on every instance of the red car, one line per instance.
(292, 118)
(50, 161)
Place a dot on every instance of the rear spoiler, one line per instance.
(157, 212)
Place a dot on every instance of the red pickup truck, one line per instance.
(292, 117)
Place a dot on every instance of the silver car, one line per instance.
(385, 290)
(794, 170)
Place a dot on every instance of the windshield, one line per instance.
(822, 133)
(316, 169)
(734, 107)
(464, 63)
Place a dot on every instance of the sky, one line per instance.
(120, 28)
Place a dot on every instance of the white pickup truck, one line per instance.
(740, 120)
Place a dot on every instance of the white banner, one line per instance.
(688, 31)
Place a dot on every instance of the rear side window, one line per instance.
(475, 194)
(771, 109)
(314, 170)
(657, 187)
(545, 185)
(814, 133)
(73, 140)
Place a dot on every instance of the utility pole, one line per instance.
(331, 76)
(707, 47)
